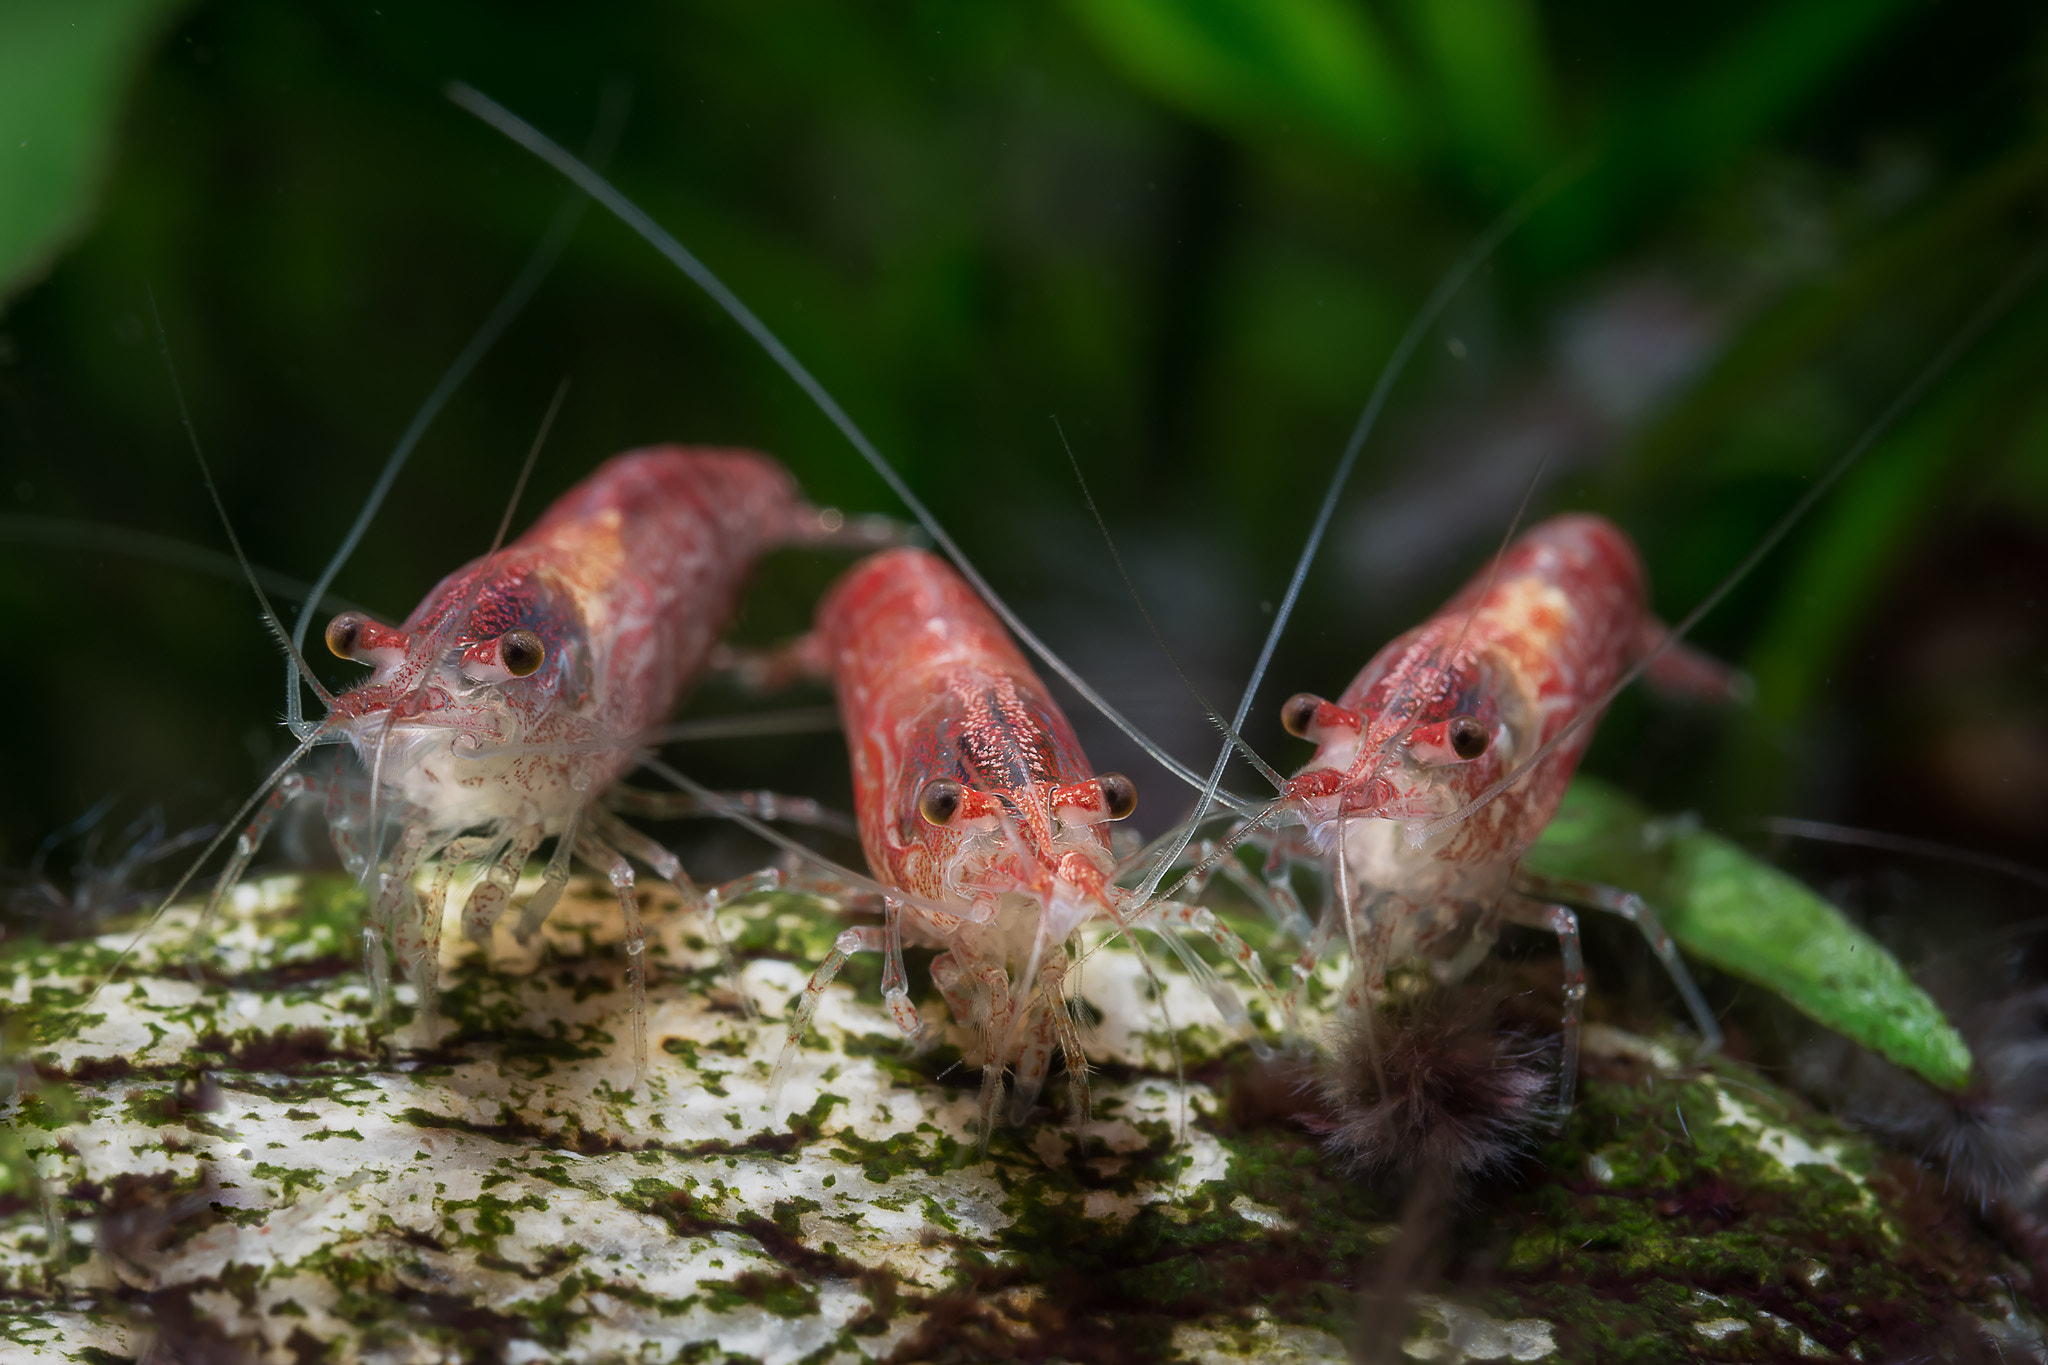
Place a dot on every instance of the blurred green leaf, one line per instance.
(1488, 59)
(1677, 137)
(1871, 525)
(64, 68)
(1264, 67)
(1763, 72)
(1755, 922)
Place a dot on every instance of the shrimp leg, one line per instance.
(863, 938)
(1274, 895)
(1050, 1025)
(1167, 914)
(486, 903)
(762, 805)
(669, 868)
(774, 668)
(552, 883)
(951, 979)
(1054, 992)
(619, 871)
(1631, 907)
(419, 945)
(1561, 921)
(997, 1006)
(246, 844)
(396, 902)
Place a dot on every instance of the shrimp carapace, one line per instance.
(973, 794)
(501, 710)
(584, 629)
(1508, 665)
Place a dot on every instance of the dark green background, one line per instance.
(1192, 232)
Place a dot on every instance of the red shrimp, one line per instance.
(974, 797)
(1438, 717)
(521, 688)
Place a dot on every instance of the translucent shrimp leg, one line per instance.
(997, 1006)
(895, 982)
(542, 903)
(347, 814)
(980, 996)
(1273, 894)
(1561, 921)
(1631, 907)
(771, 669)
(1043, 1030)
(396, 902)
(419, 945)
(619, 872)
(762, 805)
(1167, 915)
(1053, 992)
(619, 834)
(493, 891)
(1312, 954)
(864, 938)
(246, 844)
(951, 979)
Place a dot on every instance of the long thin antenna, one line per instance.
(1493, 568)
(1116, 556)
(67, 533)
(636, 218)
(1383, 755)
(270, 615)
(801, 720)
(540, 439)
(611, 117)
(454, 618)
(1823, 832)
(1432, 308)
(2001, 301)
(717, 804)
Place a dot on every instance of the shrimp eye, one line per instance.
(939, 802)
(1119, 795)
(342, 633)
(522, 652)
(1299, 713)
(1468, 737)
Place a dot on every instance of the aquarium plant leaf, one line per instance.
(1751, 920)
(1494, 89)
(63, 71)
(1264, 68)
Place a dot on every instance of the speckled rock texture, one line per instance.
(252, 1166)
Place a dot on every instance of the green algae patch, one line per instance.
(325, 1186)
(779, 1293)
(1755, 922)
(1719, 1199)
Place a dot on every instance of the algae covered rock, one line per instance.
(255, 1166)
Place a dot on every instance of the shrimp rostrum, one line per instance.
(1443, 761)
(499, 713)
(977, 805)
